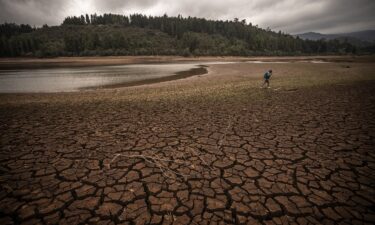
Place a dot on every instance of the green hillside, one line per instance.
(136, 34)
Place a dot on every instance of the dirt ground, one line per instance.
(208, 149)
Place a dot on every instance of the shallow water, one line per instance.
(75, 79)
(281, 62)
(266, 62)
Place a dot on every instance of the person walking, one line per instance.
(267, 77)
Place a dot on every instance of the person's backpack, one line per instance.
(266, 75)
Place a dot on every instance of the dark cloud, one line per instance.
(293, 16)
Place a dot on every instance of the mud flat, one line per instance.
(206, 148)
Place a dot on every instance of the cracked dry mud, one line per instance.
(303, 157)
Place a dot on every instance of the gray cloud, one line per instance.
(292, 16)
(114, 5)
(34, 12)
(323, 16)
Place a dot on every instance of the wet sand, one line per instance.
(211, 148)
(179, 75)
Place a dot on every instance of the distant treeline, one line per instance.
(111, 34)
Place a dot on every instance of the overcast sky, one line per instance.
(291, 16)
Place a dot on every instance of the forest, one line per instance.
(137, 34)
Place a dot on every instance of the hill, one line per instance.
(361, 38)
(110, 34)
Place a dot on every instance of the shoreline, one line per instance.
(40, 63)
(177, 76)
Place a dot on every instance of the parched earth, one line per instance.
(293, 156)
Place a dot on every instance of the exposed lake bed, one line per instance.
(171, 147)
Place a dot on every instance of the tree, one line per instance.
(190, 41)
(140, 34)
(88, 19)
(73, 43)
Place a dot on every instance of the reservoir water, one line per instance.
(75, 79)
